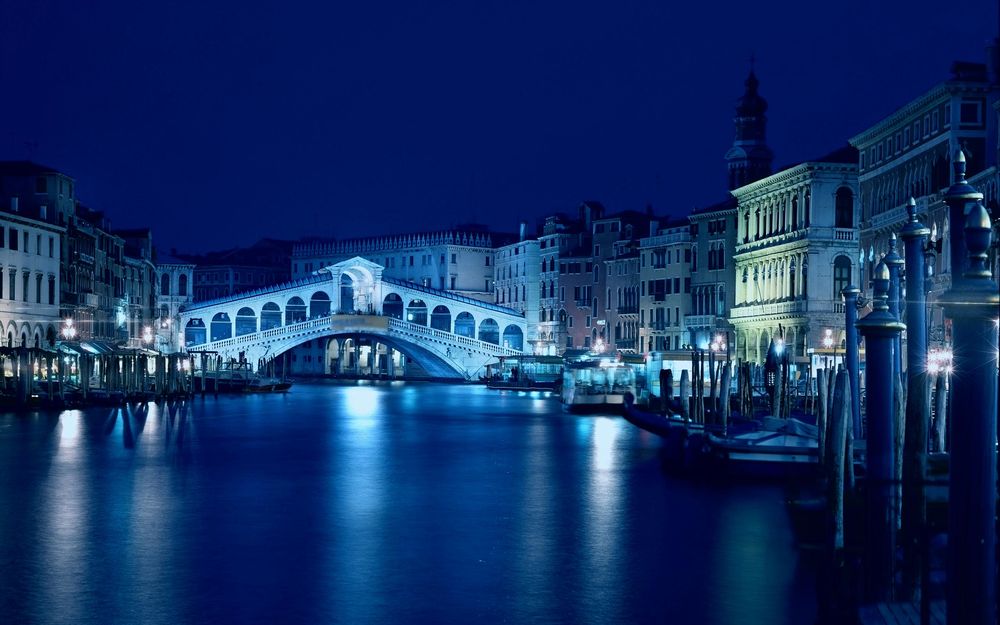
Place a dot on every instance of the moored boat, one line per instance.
(262, 384)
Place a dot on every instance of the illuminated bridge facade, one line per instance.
(448, 335)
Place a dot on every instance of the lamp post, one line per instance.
(828, 344)
(168, 325)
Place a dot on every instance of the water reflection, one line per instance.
(376, 504)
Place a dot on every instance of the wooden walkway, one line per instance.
(900, 614)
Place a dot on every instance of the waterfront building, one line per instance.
(577, 302)
(713, 274)
(622, 292)
(797, 248)
(665, 288)
(459, 261)
(517, 285)
(909, 153)
(616, 237)
(559, 234)
(92, 258)
(29, 280)
(225, 273)
(174, 278)
(96, 275)
(139, 278)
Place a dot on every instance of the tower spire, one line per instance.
(749, 158)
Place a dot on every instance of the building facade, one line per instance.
(665, 288)
(174, 278)
(558, 237)
(225, 273)
(909, 154)
(460, 261)
(518, 286)
(713, 274)
(29, 281)
(92, 258)
(797, 249)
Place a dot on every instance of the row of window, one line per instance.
(14, 242)
(27, 293)
(970, 115)
(889, 147)
(182, 284)
(659, 259)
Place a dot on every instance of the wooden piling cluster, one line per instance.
(33, 376)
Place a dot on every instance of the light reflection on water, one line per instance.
(376, 504)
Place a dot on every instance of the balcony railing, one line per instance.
(699, 321)
(775, 308)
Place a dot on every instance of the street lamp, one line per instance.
(168, 324)
(828, 344)
(68, 331)
(718, 343)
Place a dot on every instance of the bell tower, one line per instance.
(749, 159)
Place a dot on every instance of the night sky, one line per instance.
(217, 123)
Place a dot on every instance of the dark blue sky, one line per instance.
(220, 122)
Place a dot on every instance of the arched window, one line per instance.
(841, 275)
(165, 284)
(844, 208)
(182, 285)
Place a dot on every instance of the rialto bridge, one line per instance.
(448, 335)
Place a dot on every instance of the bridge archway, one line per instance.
(416, 312)
(319, 305)
(441, 318)
(392, 306)
(246, 321)
(222, 326)
(489, 331)
(465, 325)
(346, 293)
(195, 332)
(270, 316)
(513, 337)
(295, 311)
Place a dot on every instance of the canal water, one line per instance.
(392, 503)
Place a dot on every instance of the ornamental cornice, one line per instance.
(712, 214)
(888, 124)
(779, 182)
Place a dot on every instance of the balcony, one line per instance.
(699, 321)
(775, 308)
(89, 300)
(627, 310)
(583, 303)
(844, 234)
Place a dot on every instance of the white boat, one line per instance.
(261, 384)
